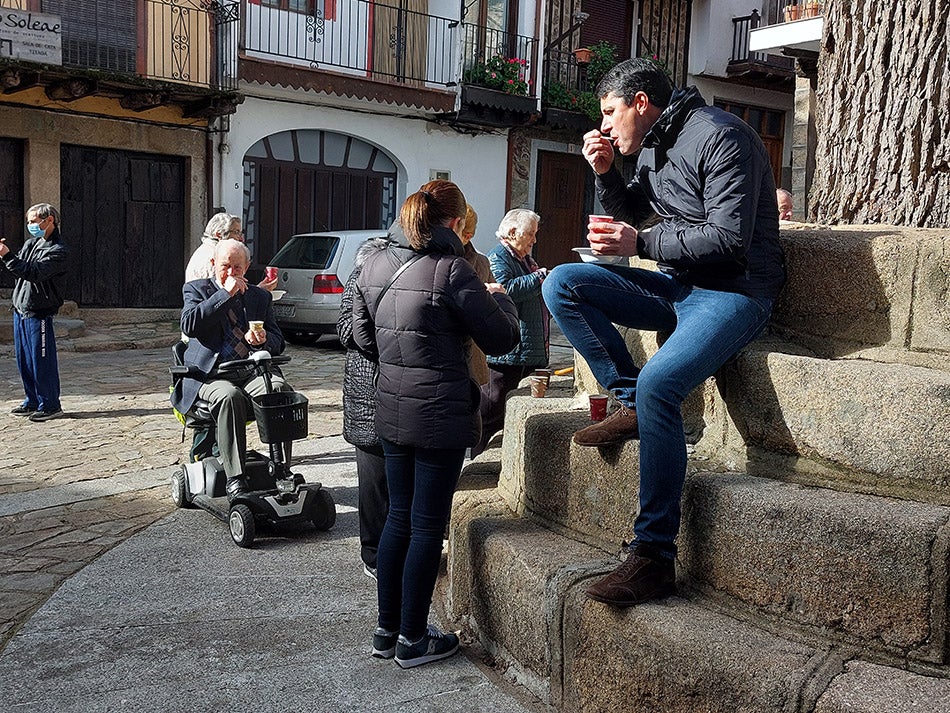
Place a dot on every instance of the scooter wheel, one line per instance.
(242, 525)
(180, 489)
(323, 514)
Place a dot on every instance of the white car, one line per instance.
(312, 269)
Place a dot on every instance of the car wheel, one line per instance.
(303, 339)
(323, 514)
(242, 525)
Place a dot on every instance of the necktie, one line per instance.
(235, 347)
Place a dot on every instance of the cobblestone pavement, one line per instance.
(73, 488)
(118, 426)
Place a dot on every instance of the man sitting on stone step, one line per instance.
(216, 319)
(707, 175)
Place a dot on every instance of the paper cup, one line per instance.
(546, 374)
(270, 273)
(600, 219)
(255, 325)
(598, 407)
(539, 386)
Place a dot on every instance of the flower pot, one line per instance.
(812, 9)
(583, 55)
(791, 13)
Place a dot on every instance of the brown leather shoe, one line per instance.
(643, 577)
(618, 427)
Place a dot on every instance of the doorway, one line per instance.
(560, 201)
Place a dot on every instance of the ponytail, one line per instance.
(436, 203)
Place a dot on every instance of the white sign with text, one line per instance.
(31, 36)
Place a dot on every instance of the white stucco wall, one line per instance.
(478, 164)
(710, 39)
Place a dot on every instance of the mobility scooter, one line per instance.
(275, 494)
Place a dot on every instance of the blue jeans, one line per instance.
(421, 485)
(35, 346)
(706, 328)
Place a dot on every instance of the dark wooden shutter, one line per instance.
(98, 33)
(609, 21)
(12, 210)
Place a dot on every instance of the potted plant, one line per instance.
(506, 74)
(812, 9)
(791, 11)
(583, 55)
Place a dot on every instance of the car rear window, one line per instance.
(306, 252)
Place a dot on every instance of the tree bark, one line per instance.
(883, 114)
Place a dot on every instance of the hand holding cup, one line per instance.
(255, 334)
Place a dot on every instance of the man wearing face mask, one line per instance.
(38, 267)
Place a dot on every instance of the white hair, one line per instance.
(218, 226)
(516, 222)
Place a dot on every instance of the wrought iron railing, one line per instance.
(481, 44)
(187, 41)
(359, 37)
(741, 26)
(777, 11)
(561, 68)
(377, 40)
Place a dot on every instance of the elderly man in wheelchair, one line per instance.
(226, 319)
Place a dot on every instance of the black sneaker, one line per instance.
(40, 416)
(369, 571)
(384, 643)
(434, 645)
(23, 410)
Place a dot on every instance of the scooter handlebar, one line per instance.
(254, 360)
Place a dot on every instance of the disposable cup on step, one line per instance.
(598, 407)
(539, 386)
(546, 373)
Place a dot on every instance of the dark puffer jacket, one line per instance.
(420, 336)
(707, 175)
(359, 373)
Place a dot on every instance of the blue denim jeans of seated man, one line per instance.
(706, 329)
(421, 484)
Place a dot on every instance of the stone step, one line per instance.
(864, 425)
(856, 569)
(520, 588)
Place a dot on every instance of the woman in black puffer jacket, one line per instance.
(359, 421)
(417, 306)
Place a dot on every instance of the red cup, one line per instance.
(270, 273)
(598, 407)
(600, 219)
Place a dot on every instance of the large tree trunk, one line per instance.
(883, 114)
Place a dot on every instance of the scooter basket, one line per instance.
(281, 416)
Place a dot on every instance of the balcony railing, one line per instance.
(375, 40)
(183, 41)
(360, 37)
(790, 10)
(741, 26)
(481, 44)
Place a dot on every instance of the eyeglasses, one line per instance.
(239, 233)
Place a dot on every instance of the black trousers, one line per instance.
(502, 380)
(372, 498)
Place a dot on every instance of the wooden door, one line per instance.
(12, 210)
(123, 218)
(560, 201)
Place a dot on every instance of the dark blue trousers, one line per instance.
(35, 347)
(421, 485)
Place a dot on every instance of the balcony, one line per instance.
(793, 27)
(145, 54)
(370, 50)
(757, 69)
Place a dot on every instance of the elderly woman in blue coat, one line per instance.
(513, 267)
